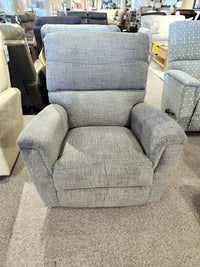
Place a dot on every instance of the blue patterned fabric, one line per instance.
(181, 90)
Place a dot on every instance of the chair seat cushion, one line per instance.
(101, 156)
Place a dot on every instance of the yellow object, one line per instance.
(42, 57)
(154, 48)
(42, 60)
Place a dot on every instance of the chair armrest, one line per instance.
(155, 131)
(45, 133)
(183, 78)
(181, 92)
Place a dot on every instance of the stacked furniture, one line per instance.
(98, 144)
(157, 26)
(118, 18)
(181, 89)
(26, 21)
(11, 119)
(23, 74)
(39, 22)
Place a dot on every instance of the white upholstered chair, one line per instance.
(11, 119)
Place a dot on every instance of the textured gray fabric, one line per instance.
(155, 130)
(100, 165)
(49, 28)
(163, 171)
(40, 175)
(86, 108)
(103, 197)
(90, 62)
(101, 157)
(181, 93)
(45, 133)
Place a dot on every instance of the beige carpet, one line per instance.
(157, 69)
(165, 233)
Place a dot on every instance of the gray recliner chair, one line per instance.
(181, 87)
(98, 144)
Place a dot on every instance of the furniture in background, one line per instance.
(98, 144)
(188, 13)
(49, 28)
(181, 88)
(159, 53)
(26, 21)
(145, 10)
(97, 18)
(61, 13)
(23, 74)
(118, 18)
(11, 119)
(81, 14)
(157, 27)
(39, 22)
(88, 17)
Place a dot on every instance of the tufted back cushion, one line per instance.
(184, 47)
(96, 76)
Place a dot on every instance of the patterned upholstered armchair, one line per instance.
(181, 91)
(98, 144)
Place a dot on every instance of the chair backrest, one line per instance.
(21, 66)
(184, 47)
(159, 24)
(27, 22)
(97, 18)
(4, 73)
(56, 20)
(22, 71)
(81, 14)
(39, 22)
(49, 28)
(99, 76)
